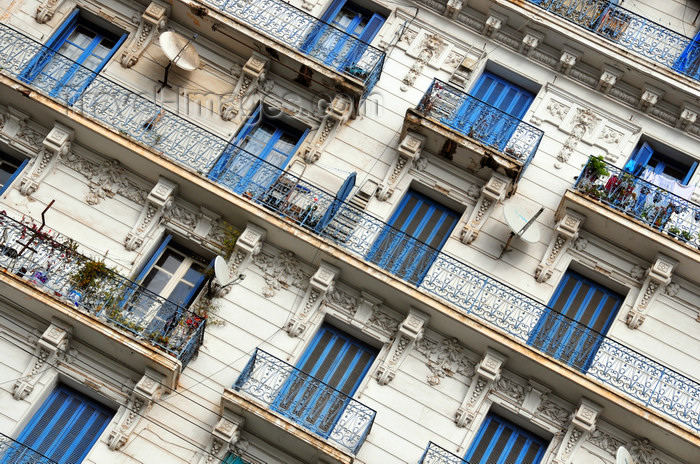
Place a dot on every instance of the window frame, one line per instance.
(6, 158)
(518, 431)
(374, 23)
(645, 152)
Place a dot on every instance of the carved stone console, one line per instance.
(487, 372)
(581, 426)
(157, 204)
(46, 10)
(248, 245)
(320, 285)
(410, 331)
(657, 277)
(408, 153)
(565, 232)
(337, 113)
(153, 20)
(56, 144)
(51, 347)
(493, 192)
(146, 392)
(224, 437)
(242, 97)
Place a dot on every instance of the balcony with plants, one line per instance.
(325, 415)
(448, 114)
(52, 263)
(328, 216)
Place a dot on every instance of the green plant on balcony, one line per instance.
(685, 236)
(159, 339)
(595, 168)
(674, 232)
(88, 274)
(228, 243)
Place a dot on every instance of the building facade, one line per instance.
(453, 231)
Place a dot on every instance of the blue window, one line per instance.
(64, 428)
(333, 359)
(583, 310)
(332, 44)
(72, 57)
(416, 231)
(659, 168)
(10, 168)
(499, 441)
(502, 94)
(258, 155)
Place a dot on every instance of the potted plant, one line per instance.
(85, 277)
(595, 168)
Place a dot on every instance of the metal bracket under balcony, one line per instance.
(472, 133)
(94, 296)
(274, 396)
(302, 48)
(636, 215)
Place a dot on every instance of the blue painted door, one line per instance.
(499, 441)
(330, 371)
(258, 155)
(494, 112)
(73, 56)
(583, 311)
(416, 232)
(63, 429)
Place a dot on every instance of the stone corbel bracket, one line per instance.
(530, 42)
(337, 114)
(51, 347)
(649, 98)
(565, 232)
(248, 245)
(568, 59)
(608, 79)
(320, 285)
(147, 391)
(581, 426)
(493, 192)
(689, 114)
(453, 8)
(46, 10)
(657, 277)
(158, 202)
(153, 20)
(493, 24)
(487, 373)
(242, 97)
(407, 154)
(410, 331)
(56, 145)
(224, 437)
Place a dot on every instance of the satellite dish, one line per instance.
(520, 219)
(223, 275)
(623, 456)
(180, 51)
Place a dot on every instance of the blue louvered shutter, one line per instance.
(502, 94)
(499, 441)
(66, 426)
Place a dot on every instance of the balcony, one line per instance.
(482, 134)
(55, 267)
(15, 452)
(435, 454)
(322, 214)
(305, 34)
(630, 31)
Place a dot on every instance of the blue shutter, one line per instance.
(154, 257)
(372, 27)
(332, 11)
(686, 179)
(502, 94)
(499, 441)
(39, 61)
(66, 426)
(639, 160)
(340, 197)
(13, 176)
(229, 151)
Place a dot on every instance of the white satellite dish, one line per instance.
(623, 456)
(180, 52)
(521, 221)
(223, 275)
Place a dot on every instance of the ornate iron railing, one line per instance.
(52, 263)
(350, 228)
(435, 454)
(306, 400)
(476, 119)
(310, 36)
(641, 200)
(17, 453)
(631, 31)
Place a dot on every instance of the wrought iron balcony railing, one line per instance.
(435, 454)
(321, 213)
(12, 451)
(641, 200)
(476, 119)
(306, 400)
(309, 35)
(53, 264)
(631, 31)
